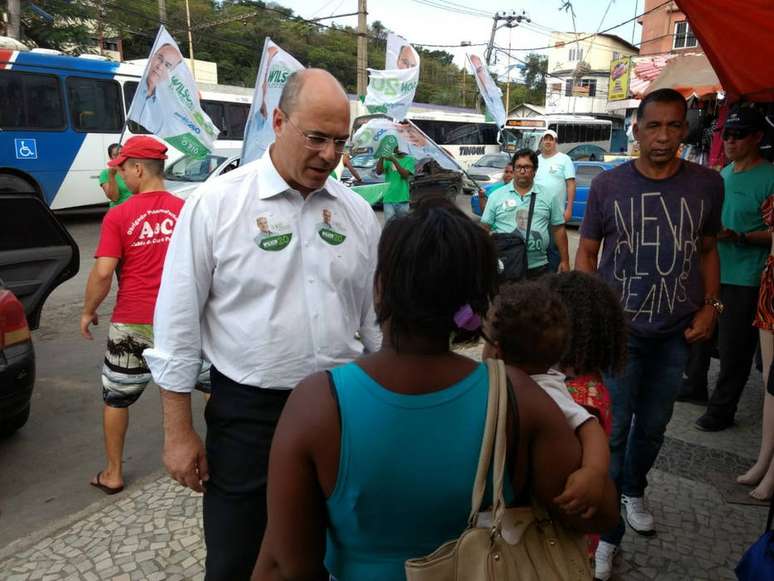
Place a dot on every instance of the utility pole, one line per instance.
(190, 40)
(163, 12)
(362, 48)
(510, 20)
(14, 19)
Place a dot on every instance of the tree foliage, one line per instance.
(232, 32)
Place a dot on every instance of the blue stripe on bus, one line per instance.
(56, 150)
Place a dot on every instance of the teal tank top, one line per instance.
(406, 471)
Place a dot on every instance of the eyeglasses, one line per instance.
(523, 168)
(735, 134)
(317, 142)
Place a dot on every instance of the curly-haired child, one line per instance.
(528, 327)
(597, 339)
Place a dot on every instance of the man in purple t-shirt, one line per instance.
(656, 219)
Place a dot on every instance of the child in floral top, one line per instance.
(597, 343)
(597, 339)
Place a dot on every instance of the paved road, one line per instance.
(46, 466)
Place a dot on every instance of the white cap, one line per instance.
(552, 133)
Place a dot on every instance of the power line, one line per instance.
(537, 48)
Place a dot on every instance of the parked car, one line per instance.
(587, 152)
(489, 168)
(585, 171)
(186, 174)
(36, 255)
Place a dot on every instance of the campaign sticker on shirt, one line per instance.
(510, 203)
(272, 237)
(329, 230)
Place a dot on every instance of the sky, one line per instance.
(445, 24)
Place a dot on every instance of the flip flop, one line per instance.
(106, 489)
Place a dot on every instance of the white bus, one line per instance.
(573, 130)
(58, 114)
(463, 134)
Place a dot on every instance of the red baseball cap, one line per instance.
(139, 147)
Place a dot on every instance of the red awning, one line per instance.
(736, 36)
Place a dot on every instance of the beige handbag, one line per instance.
(513, 544)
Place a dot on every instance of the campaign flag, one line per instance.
(275, 68)
(166, 102)
(378, 137)
(391, 91)
(491, 93)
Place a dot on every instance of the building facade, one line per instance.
(579, 70)
(666, 30)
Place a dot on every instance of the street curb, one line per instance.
(25, 542)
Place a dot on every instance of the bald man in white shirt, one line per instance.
(254, 284)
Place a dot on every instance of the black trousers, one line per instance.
(240, 425)
(737, 342)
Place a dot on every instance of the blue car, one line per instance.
(585, 171)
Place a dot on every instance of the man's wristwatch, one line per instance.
(715, 304)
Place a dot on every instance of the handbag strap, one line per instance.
(487, 442)
(501, 446)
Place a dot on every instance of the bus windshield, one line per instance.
(513, 139)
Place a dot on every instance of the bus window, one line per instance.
(95, 105)
(30, 101)
(461, 133)
(236, 118)
(130, 88)
(488, 132)
(215, 111)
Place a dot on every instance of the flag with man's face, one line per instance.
(491, 93)
(391, 91)
(273, 72)
(166, 102)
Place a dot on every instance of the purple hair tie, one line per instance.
(466, 319)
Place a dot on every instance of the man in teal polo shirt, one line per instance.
(397, 169)
(507, 209)
(111, 182)
(743, 246)
(556, 177)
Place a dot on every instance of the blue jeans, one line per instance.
(643, 398)
(395, 211)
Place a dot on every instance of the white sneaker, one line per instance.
(603, 560)
(638, 517)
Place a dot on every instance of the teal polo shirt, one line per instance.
(506, 210)
(745, 192)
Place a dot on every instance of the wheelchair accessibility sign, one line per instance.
(26, 148)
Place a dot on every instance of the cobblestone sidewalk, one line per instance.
(153, 531)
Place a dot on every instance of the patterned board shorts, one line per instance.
(125, 375)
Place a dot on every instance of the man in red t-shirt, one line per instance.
(133, 244)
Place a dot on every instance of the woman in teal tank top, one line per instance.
(375, 463)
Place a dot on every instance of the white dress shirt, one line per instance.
(253, 283)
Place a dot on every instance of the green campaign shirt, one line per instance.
(506, 209)
(553, 173)
(397, 186)
(123, 191)
(745, 192)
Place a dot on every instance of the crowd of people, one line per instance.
(343, 428)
